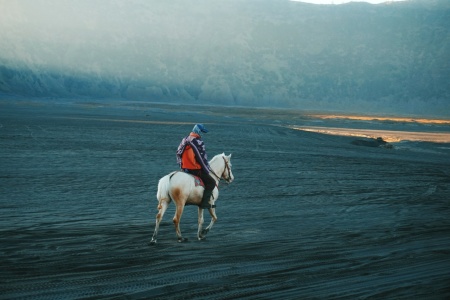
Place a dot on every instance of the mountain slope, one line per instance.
(374, 58)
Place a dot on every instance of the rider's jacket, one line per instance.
(191, 154)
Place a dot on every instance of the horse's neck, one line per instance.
(217, 168)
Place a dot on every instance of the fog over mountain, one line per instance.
(357, 57)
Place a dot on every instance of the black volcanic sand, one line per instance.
(308, 215)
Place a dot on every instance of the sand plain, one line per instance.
(309, 215)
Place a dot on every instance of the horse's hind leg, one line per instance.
(162, 209)
(176, 222)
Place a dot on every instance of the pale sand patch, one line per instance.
(376, 118)
(387, 135)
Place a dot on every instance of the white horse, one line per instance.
(182, 189)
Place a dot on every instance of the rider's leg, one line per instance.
(210, 184)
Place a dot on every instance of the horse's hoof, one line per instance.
(182, 240)
(204, 231)
(152, 242)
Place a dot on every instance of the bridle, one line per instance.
(227, 167)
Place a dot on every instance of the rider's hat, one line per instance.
(199, 128)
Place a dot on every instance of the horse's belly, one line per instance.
(195, 196)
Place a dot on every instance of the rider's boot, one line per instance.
(205, 199)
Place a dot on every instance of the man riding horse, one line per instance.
(192, 158)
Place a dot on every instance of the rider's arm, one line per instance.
(200, 153)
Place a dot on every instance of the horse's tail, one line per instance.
(163, 189)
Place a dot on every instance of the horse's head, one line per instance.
(227, 175)
(221, 167)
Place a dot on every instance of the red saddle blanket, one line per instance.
(198, 181)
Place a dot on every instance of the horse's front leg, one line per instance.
(200, 224)
(202, 232)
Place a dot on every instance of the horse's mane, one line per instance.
(216, 157)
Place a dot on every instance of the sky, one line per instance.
(344, 1)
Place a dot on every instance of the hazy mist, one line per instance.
(354, 57)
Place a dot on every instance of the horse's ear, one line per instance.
(229, 156)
